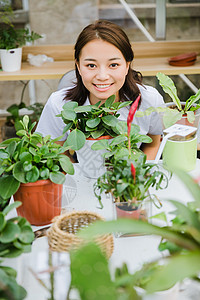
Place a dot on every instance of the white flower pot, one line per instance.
(11, 59)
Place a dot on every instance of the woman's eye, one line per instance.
(92, 66)
(114, 65)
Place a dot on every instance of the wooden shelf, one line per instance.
(55, 70)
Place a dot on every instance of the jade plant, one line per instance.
(31, 157)
(90, 121)
(16, 237)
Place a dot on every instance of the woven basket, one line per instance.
(62, 234)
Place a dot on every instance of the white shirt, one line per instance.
(49, 123)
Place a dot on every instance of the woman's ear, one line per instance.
(77, 65)
(127, 66)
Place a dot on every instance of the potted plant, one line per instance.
(178, 111)
(16, 237)
(35, 165)
(129, 180)
(11, 41)
(90, 122)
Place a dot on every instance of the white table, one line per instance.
(78, 195)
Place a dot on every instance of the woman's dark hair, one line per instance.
(113, 34)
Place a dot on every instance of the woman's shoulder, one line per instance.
(57, 98)
(150, 96)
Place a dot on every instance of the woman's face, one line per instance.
(103, 70)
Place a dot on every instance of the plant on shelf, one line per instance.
(31, 158)
(90, 121)
(16, 237)
(11, 38)
(178, 109)
(11, 41)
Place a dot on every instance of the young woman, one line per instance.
(103, 57)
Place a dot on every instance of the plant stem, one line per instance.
(51, 278)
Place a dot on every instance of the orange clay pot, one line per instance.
(41, 201)
(103, 137)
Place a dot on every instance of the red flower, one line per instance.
(132, 112)
(133, 171)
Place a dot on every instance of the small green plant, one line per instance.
(31, 158)
(90, 121)
(11, 38)
(129, 181)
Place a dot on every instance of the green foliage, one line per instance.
(182, 238)
(11, 38)
(172, 115)
(31, 158)
(119, 181)
(16, 237)
(90, 121)
(117, 148)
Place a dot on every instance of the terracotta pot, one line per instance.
(125, 210)
(41, 201)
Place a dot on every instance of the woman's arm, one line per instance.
(151, 149)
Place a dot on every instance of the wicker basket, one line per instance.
(62, 234)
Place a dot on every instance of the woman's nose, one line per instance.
(102, 74)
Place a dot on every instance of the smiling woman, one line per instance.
(103, 57)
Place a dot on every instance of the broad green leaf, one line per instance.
(110, 101)
(68, 112)
(66, 164)
(76, 139)
(169, 88)
(190, 116)
(58, 177)
(11, 148)
(3, 154)
(33, 174)
(90, 274)
(26, 236)
(8, 186)
(93, 122)
(18, 172)
(44, 149)
(44, 173)
(171, 116)
(137, 226)
(174, 271)
(10, 232)
(117, 140)
(25, 156)
(85, 108)
(21, 132)
(96, 134)
(67, 127)
(99, 145)
(110, 120)
(10, 207)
